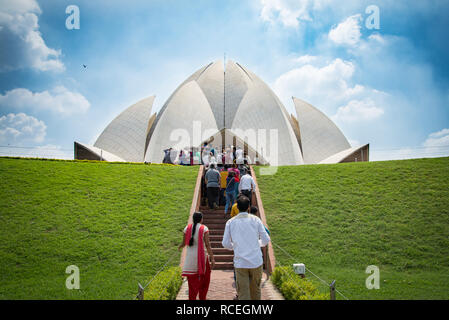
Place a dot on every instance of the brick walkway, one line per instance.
(222, 287)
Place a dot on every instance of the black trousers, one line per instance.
(222, 197)
(248, 193)
(212, 196)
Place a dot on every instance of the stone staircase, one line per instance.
(216, 222)
(222, 278)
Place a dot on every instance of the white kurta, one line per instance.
(191, 260)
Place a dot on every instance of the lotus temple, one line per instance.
(224, 106)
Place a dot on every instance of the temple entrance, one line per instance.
(225, 140)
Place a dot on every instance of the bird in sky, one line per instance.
(84, 66)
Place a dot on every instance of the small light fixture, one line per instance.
(300, 269)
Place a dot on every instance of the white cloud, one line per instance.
(289, 12)
(440, 134)
(358, 110)
(19, 6)
(323, 86)
(306, 59)
(48, 151)
(376, 37)
(22, 43)
(399, 154)
(19, 128)
(436, 145)
(19, 131)
(59, 100)
(347, 32)
(438, 139)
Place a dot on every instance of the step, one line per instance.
(224, 266)
(217, 232)
(224, 258)
(216, 213)
(216, 244)
(214, 222)
(207, 208)
(215, 226)
(216, 238)
(214, 219)
(222, 251)
(214, 216)
(209, 212)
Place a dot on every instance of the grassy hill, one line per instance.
(118, 223)
(339, 219)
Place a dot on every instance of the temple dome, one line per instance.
(228, 106)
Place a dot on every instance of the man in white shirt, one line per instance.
(229, 157)
(212, 160)
(206, 160)
(247, 186)
(246, 234)
(239, 156)
(219, 159)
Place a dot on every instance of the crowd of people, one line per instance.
(206, 155)
(232, 186)
(245, 234)
(223, 184)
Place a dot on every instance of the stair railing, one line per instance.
(268, 253)
(196, 202)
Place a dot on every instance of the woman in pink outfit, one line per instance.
(196, 264)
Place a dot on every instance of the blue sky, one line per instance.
(388, 87)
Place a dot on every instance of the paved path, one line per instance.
(222, 287)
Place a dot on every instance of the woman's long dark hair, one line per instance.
(197, 217)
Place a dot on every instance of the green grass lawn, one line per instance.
(339, 219)
(118, 223)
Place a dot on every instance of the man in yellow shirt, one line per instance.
(223, 177)
(234, 210)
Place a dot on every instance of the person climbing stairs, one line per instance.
(222, 286)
